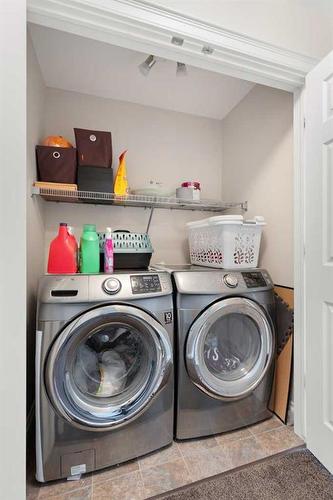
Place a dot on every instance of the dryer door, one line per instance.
(229, 348)
(106, 366)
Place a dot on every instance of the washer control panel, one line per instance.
(254, 279)
(230, 280)
(145, 283)
(111, 286)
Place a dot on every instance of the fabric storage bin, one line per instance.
(130, 250)
(225, 242)
(56, 164)
(94, 148)
(97, 179)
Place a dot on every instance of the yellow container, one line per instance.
(120, 183)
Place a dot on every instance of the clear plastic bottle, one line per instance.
(74, 243)
(108, 252)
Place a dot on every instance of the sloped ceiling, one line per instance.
(74, 63)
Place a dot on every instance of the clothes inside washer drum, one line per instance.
(102, 374)
(113, 374)
(222, 362)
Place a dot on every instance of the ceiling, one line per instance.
(74, 63)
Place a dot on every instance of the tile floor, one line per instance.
(174, 466)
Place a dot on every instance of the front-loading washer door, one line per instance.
(229, 348)
(106, 366)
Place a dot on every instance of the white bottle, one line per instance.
(108, 252)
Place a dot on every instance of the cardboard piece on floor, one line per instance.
(283, 368)
(282, 378)
(286, 294)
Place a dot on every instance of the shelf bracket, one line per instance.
(149, 220)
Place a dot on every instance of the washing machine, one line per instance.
(225, 349)
(104, 370)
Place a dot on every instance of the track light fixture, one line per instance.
(149, 62)
(181, 69)
(146, 66)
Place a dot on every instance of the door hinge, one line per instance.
(304, 122)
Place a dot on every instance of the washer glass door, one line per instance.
(229, 348)
(105, 367)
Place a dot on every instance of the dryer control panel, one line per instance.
(216, 281)
(254, 279)
(145, 283)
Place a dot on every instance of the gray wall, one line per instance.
(258, 167)
(166, 146)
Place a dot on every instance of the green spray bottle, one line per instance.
(89, 250)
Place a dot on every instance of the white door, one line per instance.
(319, 260)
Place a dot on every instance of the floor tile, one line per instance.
(266, 425)
(278, 440)
(173, 466)
(33, 487)
(115, 472)
(58, 488)
(226, 437)
(165, 477)
(191, 446)
(127, 487)
(207, 463)
(167, 454)
(244, 451)
(82, 494)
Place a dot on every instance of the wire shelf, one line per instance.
(131, 200)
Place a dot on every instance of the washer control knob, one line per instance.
(230, 280)
(111, 286)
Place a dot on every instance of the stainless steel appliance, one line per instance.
(104, 370)
(226, 348)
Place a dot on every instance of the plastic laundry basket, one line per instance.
(226, 241)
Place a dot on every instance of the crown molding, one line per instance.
(146, 28)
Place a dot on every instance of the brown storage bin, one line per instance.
(56, 164)
(94, 148)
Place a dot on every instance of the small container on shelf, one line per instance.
(55, 164)
(94, 148)
(95, 179)
(189, 191)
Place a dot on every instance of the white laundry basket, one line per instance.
(226, 241)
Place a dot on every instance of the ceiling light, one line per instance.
(176, 40)
(207, 50)
(146, 66)
(181, 69)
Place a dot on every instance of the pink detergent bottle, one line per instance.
(108, 252)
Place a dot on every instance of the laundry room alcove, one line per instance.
(231, 135)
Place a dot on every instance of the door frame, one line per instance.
(149, 29)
